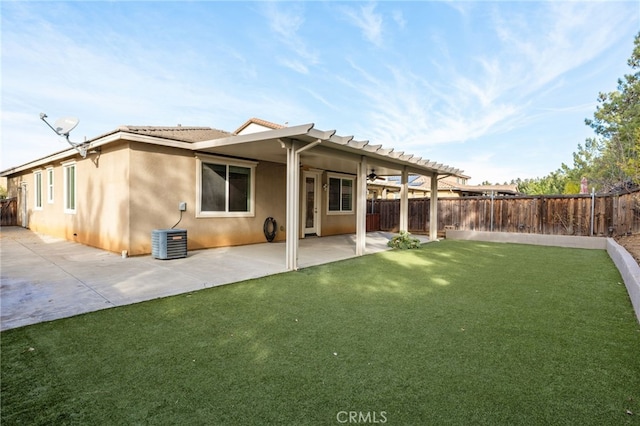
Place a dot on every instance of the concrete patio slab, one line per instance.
(45, 278)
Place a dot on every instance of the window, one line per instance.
(37, 183)
(50, 185)
(69, 188)
(340, 195)
(226, 188)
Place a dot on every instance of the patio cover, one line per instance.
(327, 151)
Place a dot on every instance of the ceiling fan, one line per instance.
(373, 176)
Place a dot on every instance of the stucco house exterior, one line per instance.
(134, 178)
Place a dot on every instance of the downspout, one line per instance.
(361, 207)
(433, 208)
(293, 200)
(404, 201)
(593, 202)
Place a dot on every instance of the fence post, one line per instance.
(593, 200)
(491, 221)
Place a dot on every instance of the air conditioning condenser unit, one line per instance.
(168, 243)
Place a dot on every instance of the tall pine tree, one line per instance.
(612, 158)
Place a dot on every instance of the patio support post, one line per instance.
(404, 200)
(361, 207)
(433, 208)
(293, 200)
(291, 249)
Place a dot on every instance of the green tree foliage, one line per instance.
(553, 183)
(611, 160)
(616, 123)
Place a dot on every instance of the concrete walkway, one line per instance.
(45, 278)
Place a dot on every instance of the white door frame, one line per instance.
(315, 174)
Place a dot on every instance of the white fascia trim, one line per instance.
(54, 158)
(143, 139)
(225, 160)
(286, 132)
(114, 137)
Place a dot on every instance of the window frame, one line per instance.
(341, 177)
(227, 163)
(37, 190)
(50, 185)
(68, 208)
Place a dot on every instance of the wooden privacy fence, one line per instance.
(599, 215)
(9, 212)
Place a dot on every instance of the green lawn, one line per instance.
(454, 333)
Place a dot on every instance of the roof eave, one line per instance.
(284, 133)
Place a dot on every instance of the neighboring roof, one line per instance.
(487, 189)
(423, 183)
(178, 133)
(452, 184)
(259, 122)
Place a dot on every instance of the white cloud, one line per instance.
(45, 70)
(485, 70)
(294, 64)
(561, 37)
(398, 17)
(286, 25)
(322, 99)
(496, 91)
(407, 110)
(369, 22)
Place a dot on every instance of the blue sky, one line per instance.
(498, 89)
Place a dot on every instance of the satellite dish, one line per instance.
(65, 125)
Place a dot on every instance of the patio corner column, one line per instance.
(293, 200)
(361, 207)
(404, 201)
(433, 208)
(291, 245)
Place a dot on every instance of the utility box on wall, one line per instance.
(168, 243)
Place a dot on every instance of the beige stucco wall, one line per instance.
(163, 177)
(101, 194)
(337, 223)
(103, 208)
(132, 188)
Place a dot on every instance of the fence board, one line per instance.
(9, 212)
(554, 215)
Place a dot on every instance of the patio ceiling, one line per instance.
(334, 152)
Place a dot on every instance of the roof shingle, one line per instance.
(178, 133)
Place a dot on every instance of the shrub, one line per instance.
(404, 241)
